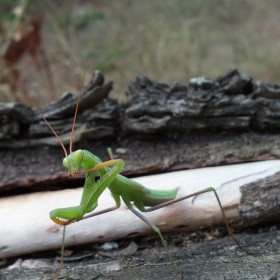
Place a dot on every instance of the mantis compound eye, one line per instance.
(65, 162)
(79, 154)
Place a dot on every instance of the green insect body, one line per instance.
(120, 186)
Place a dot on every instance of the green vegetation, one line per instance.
(165, 40)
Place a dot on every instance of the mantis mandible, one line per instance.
(120, 187)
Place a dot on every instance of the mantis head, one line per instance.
(73, 161)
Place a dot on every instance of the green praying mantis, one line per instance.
(131, 192)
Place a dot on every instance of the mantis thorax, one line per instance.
(74, 161)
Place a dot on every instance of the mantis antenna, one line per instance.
(73, 124)
(63, 147)
(75, 116)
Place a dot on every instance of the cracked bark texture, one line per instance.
(228, 120)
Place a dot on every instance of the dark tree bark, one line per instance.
(211, 122)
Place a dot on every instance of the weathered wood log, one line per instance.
(26, 227)
(231, 119)
(231, 102)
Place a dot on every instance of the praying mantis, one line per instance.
(131, 192)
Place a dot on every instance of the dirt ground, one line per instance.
(217, 259)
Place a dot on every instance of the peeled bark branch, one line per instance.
(36, 232)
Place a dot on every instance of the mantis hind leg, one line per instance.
(210, 189)
(156, 229)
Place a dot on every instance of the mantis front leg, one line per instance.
(92, 191)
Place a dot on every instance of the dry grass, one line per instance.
(165, 40)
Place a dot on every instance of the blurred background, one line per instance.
(47, 45)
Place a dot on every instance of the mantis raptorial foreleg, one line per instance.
(65, 216)
(91, 193)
